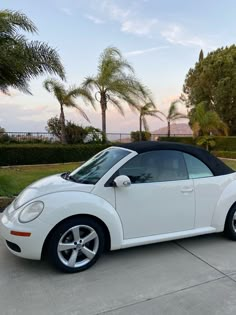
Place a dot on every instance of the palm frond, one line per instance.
(117, 105)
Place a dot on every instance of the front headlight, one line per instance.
(31, 211)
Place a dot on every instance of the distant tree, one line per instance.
(21, 59)
(213, 81)
(173, 115)
(206, 122)
(66, 97)
(148, 109)
(114, 83)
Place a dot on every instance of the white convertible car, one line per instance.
(134, 194)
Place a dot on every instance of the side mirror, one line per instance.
(122, 181)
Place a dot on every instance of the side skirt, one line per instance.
(166, 237)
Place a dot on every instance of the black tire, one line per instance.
(230, 224)
(59, 258)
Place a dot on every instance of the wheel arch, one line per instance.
(99, 221)
(225, 203)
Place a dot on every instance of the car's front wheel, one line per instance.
(76, 244)
(230, 224)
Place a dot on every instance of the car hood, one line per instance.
(49, 185)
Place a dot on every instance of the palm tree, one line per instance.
(66, 97)
(173, 114)
(206, 122)
(21, 59)
(148, 109)
(114, 82)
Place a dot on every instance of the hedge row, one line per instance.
(23, 154)
(225, 154)
(222, 143)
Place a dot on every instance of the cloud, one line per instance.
(94, 19)
(175, 34)
(66, 11)
(144, 51)
(138, 26)
(132, 21)
(129, 20)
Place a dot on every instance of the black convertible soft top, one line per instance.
(215, 165)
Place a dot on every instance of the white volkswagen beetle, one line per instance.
(135, 194)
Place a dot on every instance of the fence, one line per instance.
(49, 138)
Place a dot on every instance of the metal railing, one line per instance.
(50, 138)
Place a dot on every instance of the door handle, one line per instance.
(187, 189)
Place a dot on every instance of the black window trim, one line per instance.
(109, 182)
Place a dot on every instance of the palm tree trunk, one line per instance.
(168, 128)
(63, 126)
(103, 103)
(140, 127)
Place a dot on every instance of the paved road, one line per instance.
(192, 276)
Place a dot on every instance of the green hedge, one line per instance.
(145, 136)
(225, 154)
(186, 140)
(222, 143)
(24, 154)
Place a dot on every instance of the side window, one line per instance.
(196, 168)
(155, 166)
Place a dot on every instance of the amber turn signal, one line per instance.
(17, 233)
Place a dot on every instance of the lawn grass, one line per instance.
(15, 179)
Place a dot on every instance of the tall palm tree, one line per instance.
(21, 59)
(148, 109)
(206, 122)
(173, 114)
(66, 97)
(114, 83)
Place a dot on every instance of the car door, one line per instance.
(160, 198)
(208, 188)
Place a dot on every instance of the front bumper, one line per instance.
(30, 247)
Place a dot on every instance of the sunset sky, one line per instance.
(160, 38)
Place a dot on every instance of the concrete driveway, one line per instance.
(192, 276)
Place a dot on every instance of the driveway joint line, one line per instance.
(204, 261)
(160, 296)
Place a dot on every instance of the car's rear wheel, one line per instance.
(76, 244)
(230, 224)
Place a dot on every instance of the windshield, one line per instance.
(97, 166)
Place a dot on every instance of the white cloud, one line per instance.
(94, 19)
(129, 20)
(138, 26)
(132, 21)
(145, 51)
(177, 35)
(66, 11)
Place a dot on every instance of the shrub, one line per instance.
(145, 136)
(74, 133)
(225, 154)
(221, 143)
(24, 154)
(186, 140)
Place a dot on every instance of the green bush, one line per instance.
(225, 144)
(225, 154)
(24, 154)
(221, 143)
(186, 140)
(145, 136)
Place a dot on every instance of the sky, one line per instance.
(160, 38)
